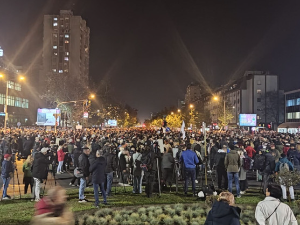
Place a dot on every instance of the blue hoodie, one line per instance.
(282, 161)
(189, 159)
(7, 167)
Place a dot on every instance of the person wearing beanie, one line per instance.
(6, 174)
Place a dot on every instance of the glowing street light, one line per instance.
(179, 110)
(172, 113)
(92, 96)
(191, 106)
(21, 78)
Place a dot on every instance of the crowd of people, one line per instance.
(157, 159)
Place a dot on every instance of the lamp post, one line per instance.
(6, 99)
(84, 101)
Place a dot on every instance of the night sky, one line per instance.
(151, 50)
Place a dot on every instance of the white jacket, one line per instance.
(282, 216)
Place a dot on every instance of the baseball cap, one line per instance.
(7, 155)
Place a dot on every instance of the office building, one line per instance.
(66, 47)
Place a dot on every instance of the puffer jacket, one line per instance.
(232, 162)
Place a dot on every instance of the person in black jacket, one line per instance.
(98, 176)
(40, 171)
(269, 168)
(27, 146)
(223, 212)
(111, 165)
(84, 165)
(221, 170)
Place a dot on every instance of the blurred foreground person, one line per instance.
(52, 209)
(272, 211)
(223, 212)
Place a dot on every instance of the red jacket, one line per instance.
(250, 151)
(42, 207)
(285, 149)
(60, 154)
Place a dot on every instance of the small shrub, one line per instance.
(142, 210)
(144, 217)
(168, 221)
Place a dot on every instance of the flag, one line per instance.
(182, 130)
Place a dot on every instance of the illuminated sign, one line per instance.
(46, 117)
(248, 120)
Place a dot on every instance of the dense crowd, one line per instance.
(157, 159)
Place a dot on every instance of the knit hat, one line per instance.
(7, 155)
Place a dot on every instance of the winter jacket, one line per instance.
(84, 164)
(286, 149)
(70, 148)
(7, 167)
(223, 214)
(220, 158)
(243, 172)
(294, 156)
(40, 166)
(167, 161)
(122, 162)
(45, 216)
(28, 144)
(60, 154)
(213, 152)
(27, 169)
(98, 170)
(282, 216)
(111, 164)
(189, 159)
(250, 151)
(282, 161)
(232, 162)
(269, 163)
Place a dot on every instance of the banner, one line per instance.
(182, 130)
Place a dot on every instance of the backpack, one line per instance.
(284, 167)
(246, 163)
(259, 162)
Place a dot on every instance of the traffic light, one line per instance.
(269, 126)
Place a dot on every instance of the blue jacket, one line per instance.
(281, 161)
(7, 167)
(189, 159)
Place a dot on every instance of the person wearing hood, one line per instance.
(220, 166)
(272, 211)
(232, 164)
(223, 212)
(98, 176)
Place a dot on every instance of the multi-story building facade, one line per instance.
(20, 100)
(292, 112)
(193, 93)
(257, 92)
(66, 47)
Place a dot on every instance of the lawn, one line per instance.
(20, 211)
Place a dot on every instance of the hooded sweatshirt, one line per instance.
(223, 214)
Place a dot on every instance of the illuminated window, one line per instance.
(54, 35)
(17, 87)
(67, 36)
(291, 102)
(67, 53)
(54, 46)
(11, 85)
(25, 103)
(297, 116)
(66, 41)
(66, 71)
(55, 24)
(2, 99)
(54, 70)
(66, 58)
(11, 100)
(60, 71)
(258, 91)
(55, 18)
(18, 102)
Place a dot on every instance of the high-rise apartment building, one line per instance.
(193, 93)
(66, 46)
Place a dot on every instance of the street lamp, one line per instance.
(216, 98)
(92, 96)
(6, 98)
(179, 110)
(172, 113)
(191, 106)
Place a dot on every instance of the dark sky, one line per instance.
(151, 50)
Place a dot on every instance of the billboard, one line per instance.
(248, 120)
(112, 123)
(46, 117)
